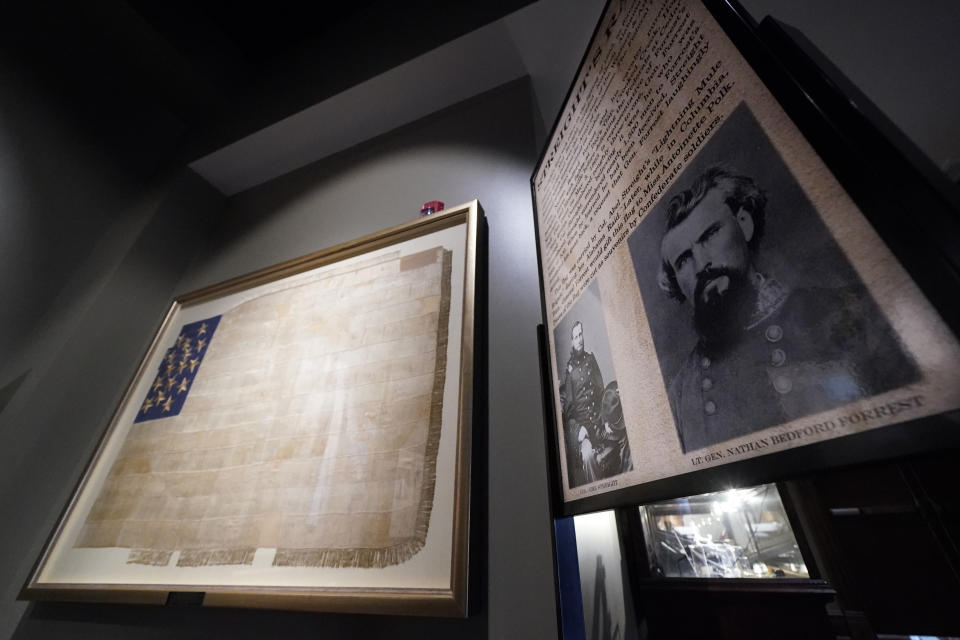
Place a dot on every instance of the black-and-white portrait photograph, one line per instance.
(757, 316)
(595, 435)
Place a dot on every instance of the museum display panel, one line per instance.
(733, 296)
(713, 294)
(298, 437)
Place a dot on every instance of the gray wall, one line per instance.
(901, 55)
(89, 256)
(481, 149)
(551, 37)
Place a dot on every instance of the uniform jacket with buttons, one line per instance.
(581, 394)
(817, 350)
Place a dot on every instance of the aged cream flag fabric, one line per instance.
(310, 426)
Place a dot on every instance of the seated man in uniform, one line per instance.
(595, 434)
(766, 354)
(580, 396)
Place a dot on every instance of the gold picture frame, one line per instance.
(361, 482)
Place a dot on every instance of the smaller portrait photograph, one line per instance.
(594, 433)
(757, 316)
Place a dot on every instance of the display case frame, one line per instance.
(738, 602)
(633, 539)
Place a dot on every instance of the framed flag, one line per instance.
(298, 437)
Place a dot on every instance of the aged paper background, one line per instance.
(312, 427)
(288, 549)
(659, 80)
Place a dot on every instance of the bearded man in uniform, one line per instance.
(766, 353)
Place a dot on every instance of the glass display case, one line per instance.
(740, 533)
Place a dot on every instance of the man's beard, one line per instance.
(720, 316)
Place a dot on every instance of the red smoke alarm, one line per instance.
(431, 207)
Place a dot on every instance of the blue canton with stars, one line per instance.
(177, 371)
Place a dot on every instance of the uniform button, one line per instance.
(705, 362)
(706, 384)
(778, 357)
(710, 407)
(773, 333)
(782, 384)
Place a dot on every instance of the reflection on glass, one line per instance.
(741, 533)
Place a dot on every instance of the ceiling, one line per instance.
(152, 78)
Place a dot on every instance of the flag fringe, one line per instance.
(212, 557)
(348, 558)
(152, 557)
